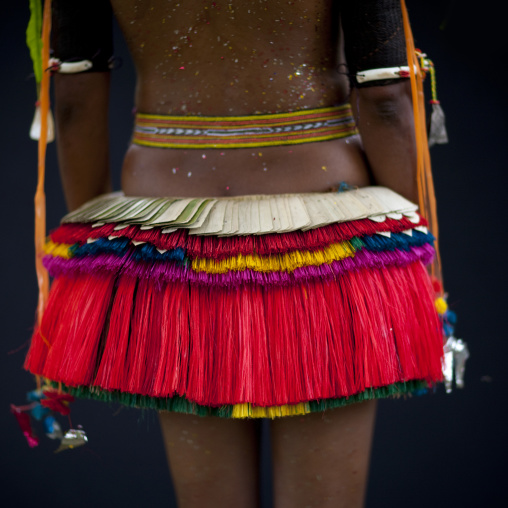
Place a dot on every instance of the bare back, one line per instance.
(237, 58)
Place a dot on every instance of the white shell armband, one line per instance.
(70, 67)
(383, 73)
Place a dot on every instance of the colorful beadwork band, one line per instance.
(244, 131)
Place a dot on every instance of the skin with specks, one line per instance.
(220, 58)
(321, 460)
(240, 58)
(213, 461)
(234, 58)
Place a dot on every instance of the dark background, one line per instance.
(433, 451)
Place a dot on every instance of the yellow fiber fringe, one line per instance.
(247, 410)
(61, 250)
(277, 263)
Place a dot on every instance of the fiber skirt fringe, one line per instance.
(255, 306)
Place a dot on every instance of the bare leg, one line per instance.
(321, 460)
(213, 461)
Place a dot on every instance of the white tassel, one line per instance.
(35, 128)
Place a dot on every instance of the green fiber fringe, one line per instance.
(182, 405)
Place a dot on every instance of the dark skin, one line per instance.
(82, 135)
(237, 61)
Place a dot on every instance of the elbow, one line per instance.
(80, 95)
(390, 104)
(70, 102)
(65, 112)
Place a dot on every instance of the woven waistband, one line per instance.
(305, 126)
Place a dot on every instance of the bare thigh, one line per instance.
(213, 461)
(321, 460)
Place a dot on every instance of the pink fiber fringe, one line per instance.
(168, 271)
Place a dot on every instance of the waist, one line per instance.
(200, 132)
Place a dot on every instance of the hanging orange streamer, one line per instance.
(426, 195)
(40, 198)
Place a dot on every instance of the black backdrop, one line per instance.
(434, 451)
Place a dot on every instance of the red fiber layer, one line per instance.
(221, 247)
(215, 346)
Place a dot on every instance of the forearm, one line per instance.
(384, 116)
(81, 112)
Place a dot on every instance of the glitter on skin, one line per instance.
(272, 58)
(303, 55)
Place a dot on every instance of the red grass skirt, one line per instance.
(266, 325)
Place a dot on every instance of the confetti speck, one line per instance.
(189, 173)
(323, 168)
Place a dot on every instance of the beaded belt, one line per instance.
(304, 126)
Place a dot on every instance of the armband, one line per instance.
(69, 67)
(382, 74)
(374, 41)
(81, 36)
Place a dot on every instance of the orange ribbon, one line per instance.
(40, 198)
(426, 195)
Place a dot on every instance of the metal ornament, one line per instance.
(72, 439)
(437, 131)
(455, 355)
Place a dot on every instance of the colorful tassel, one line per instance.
(42, 404)
(23, 420)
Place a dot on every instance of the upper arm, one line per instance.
(82, 30)
(373, 40)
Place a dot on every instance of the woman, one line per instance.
(244, 59)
